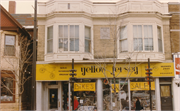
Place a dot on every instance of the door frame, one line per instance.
(58, 86)
(168, 84)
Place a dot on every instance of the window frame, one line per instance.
(143, 37)
(90, 39)
(123, 39)
(68, 37)
(9, 45)
(10, 75)
(50, 39)
(161, 38)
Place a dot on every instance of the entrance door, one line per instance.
(166, 98)
(53, 99)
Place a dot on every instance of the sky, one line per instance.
(26, 6)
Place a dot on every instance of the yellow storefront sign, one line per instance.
(135, 86)
(60, 72)
(85, 86)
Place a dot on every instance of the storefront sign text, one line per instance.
(84, 86)
(135, 86)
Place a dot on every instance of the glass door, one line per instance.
(53, 99)
(166, 98)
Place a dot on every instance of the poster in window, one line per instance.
(10, 40)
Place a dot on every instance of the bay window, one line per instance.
(123, 39)
(87, 39)
(50, 39)
(68, 37)
(9, 49)
(143, 34)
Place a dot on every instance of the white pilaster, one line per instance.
(129, 94)
(69, 96)
(99, 89)
(157, 95)
(176, 95)
(38, 95)
(60, 108)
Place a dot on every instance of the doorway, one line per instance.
(166, 98)
(53, 99)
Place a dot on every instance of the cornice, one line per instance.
(94, 16)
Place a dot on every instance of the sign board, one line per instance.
(60, 72)
(85, 86)
(177, 66)
(135, 86)
(10, 40)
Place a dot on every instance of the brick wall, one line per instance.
(103, 47)
(41, 43)
(167, 42)
(174, 9)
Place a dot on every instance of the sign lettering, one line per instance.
(141, 86)
(84, 86)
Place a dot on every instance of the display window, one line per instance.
(7, 88)
(121, 94)
(83, 100)
(142, 93)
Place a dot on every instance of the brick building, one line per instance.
(11, 32)
(27, 21)
(174, 10)
(97, 35)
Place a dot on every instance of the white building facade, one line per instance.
(96, 35)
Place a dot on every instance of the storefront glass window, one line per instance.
(121, 94)
(140, 89)
(7, 89)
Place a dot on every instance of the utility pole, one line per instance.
(149, 79)
(33, 102)
(72, 80)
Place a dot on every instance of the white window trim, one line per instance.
(57, 38)
(92, 40)
(123, 38)
(4, 33)
(162, 36)
(154, 36)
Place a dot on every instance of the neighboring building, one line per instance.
(11, 31)
(27, 21)
(174, 10)
(86, 31)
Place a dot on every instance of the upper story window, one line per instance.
(87, 39)
(9, 48)
(50, 39)
(68, 37)
(143, 37)
(159, 35)
(123, 39)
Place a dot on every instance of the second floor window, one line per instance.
(143, 34)
(160, 49)
(68, 37)
(50, 39)
(9, 48)
(87, 39)
(123, 39)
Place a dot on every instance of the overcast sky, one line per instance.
(26, 6)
